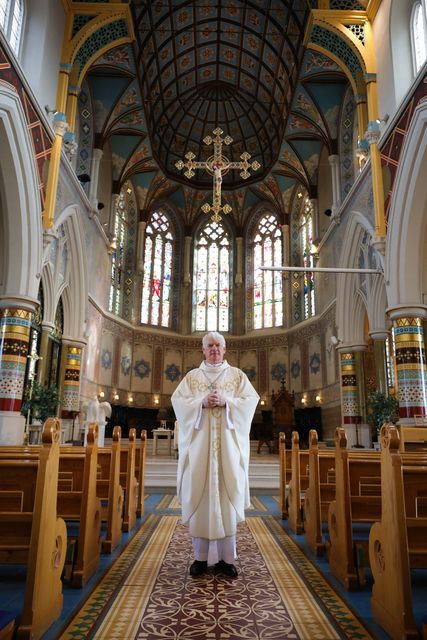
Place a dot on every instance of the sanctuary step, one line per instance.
(161, 472)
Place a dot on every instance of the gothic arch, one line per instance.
(73, 288)
(405, 258)
(20, 206)
(356, 298)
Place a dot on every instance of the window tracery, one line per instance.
(118, 256)
(11, 19)
(267, 248)
(419, 34)
(211, 278)
(157, 274)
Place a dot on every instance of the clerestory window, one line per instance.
(11, 19)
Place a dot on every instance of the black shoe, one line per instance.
(198, 568)
(226, 569)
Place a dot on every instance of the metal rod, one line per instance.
(324, 270)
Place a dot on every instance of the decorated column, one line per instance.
(411, 367)
(380, 357)
(71, 362)
(15, 327)
(351, 362)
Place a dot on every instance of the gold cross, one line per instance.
(217, 165)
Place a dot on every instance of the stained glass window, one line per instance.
(158, 262)
(267, 287)
(211, 279)
(11, 17)
(419, 35)
(118, 257)
(306, 234)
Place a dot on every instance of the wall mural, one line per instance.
(172, 372)
(315, 363)
(142, 369)
(106, 359)
(250, 372)
(125, 363)
(295, 368)
(278, 371)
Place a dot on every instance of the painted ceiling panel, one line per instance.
(238, 82)
(106, 90)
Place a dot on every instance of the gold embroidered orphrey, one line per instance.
(218, 166)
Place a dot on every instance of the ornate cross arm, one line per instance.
(217, 165)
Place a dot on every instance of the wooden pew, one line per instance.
(83, 506)
(129, 482)
(140, 454)
(297, 485)
(285, 459)
(110, 491)
(353, 505)
(319, 493)
(76, 500)
(398, 542)
(34, 535)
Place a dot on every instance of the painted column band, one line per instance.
(410, 366)
(15, 326)
(71, 381)
(350, 394)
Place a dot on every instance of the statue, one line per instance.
(97, 412)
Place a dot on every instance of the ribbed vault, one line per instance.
(224, 63)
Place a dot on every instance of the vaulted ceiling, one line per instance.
(245, 66)
(232, 65)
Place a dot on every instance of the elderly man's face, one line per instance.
(214, 352)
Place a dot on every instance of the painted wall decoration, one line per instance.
(142, 366)
(172, 372)
(278, 371)
(250, 372)
(106, 359)
(125, 363)
(142, 369)
(315, 363)
(295, 369)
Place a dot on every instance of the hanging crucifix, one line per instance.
(217, 165)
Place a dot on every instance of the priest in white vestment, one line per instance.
(214, 406)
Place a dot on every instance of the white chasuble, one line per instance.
(213, 463)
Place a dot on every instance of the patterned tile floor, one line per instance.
(147, 594)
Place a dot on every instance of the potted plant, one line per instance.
(382, 408)
(42, 401)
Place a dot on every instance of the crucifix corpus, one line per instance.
(217, 165)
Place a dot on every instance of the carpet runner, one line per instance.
(147, 593)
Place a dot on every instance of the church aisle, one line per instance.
(147, 593)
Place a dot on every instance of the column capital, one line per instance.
(352, 348)
(407, 311)
(18, 302)
(72, 342)
(379, 334)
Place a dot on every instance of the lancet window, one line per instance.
(11, 18)
(419, 34)
(211, 278)
(267, 250)
(157, 275)
(307, 246)
(118, 257)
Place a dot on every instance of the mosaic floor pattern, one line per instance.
(147, 594)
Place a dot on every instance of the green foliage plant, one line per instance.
(42, 401)
(382, 408)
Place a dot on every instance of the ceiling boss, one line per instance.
(217, 165)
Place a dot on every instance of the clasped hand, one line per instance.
(213, 399)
